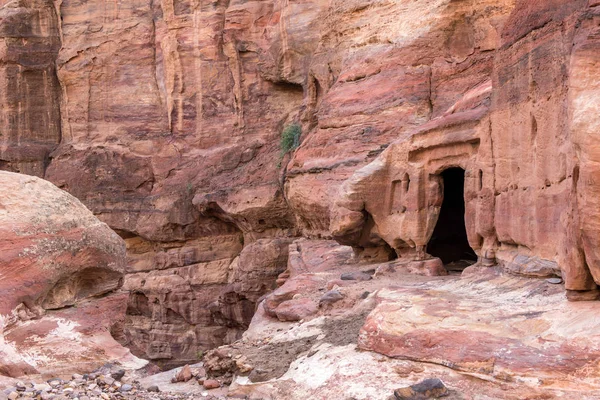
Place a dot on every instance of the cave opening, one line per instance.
(449, 240)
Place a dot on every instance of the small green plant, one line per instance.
(200, 354)
(290, 138)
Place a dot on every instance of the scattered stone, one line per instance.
(296, 310)
(42, 387)
(153, 389)
(184, 375)
(211, 384)
(13, 395)
(258, 375)
(118, 374)
(554, 281)
(355, 276)
(428, 389)
(125, 388)
(243, 366)
(54, 382)
(331, 297)
(337, 283)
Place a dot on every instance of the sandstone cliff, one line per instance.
(164, 118)
(61, 271)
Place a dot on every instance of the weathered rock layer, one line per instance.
(61, 270)
(164, 118)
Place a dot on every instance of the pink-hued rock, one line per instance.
(524, 136)
(211, 384)
(432, 267)
(184, 374)
(53, 251)
(296, 309)
(55, 259)
(543, 339)
(204, 294)
(30, 95)
(165, 118)
(304, 283)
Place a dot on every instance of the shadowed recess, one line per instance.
(449, 240)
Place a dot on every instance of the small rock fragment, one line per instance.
(153, 389)
(296, 310)
(211, 384)
(427, 389)
(337, 283)
(118, 374)
(259, 375)
(125, 388)
(243, 366)
(554, 281)
(355, 276)
(105, 380)
(42, 387)
(331, 297)
(54, 382)
(184, 375)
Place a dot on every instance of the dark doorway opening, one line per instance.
(449, 240)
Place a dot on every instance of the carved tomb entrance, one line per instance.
(449, 240)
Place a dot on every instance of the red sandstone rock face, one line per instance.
(524, 139)
(29, 117)
(164, 118)
(54, 254)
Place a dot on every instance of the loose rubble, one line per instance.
(106, 384)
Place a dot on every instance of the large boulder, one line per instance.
(61, 269)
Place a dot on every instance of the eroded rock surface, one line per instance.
(540, 340)
(30, 127)
(484, 334)
(60, 269)
(165, 117)
(522, 138)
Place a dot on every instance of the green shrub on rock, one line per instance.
(290, 138)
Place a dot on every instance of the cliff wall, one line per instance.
(164, 117)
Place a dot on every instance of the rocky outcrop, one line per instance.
(201, 296)
(531, 341)
(517, 138)
(165, 119)
(483, 332)
(56, 261)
